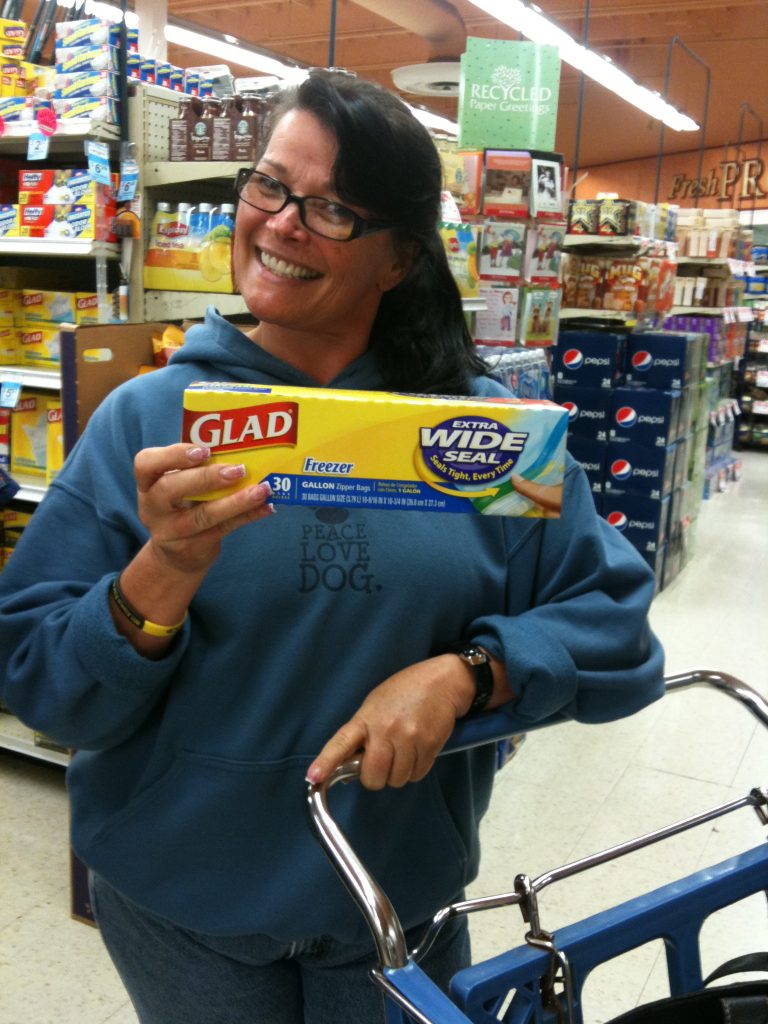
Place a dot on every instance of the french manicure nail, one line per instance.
(232, 472)
(198, 454)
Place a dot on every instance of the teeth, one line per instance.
(287, 269)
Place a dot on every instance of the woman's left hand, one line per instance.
(402, 725)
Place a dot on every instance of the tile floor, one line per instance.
(570, 790)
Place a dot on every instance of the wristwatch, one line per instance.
(480, 664)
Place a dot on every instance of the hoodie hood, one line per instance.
(222, 351)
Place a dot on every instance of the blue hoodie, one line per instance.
(187, 789)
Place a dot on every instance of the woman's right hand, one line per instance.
(186, 535)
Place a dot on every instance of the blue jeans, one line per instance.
(176, 976)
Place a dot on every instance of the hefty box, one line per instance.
(666, 361)
(645, 416)
(636, 469)
(378, 450)
(643, 521)
(589, 410)
(592, 359)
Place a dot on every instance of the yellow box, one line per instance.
(54, 453)
(29, 434)
(371, 449)
(9, 344)
(50, 307)
(39, 345)
(9, 220)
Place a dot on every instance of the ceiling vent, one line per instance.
(436, 78)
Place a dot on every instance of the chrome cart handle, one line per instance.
(372, 901)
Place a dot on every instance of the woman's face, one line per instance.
(292, 277)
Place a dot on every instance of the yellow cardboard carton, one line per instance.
(385, 451)
(29, 434)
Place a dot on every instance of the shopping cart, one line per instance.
(542, 980)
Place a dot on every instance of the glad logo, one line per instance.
(229, 430)
(573, 359)
(642, 361)
(621, 469)
(618, 520)
(626, 416)
(573, 411)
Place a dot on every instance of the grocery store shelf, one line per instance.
(572, 313)
(71, 128)
(732, 314)
(189, 305)
(31, 488)
(17, 737)
(58, 247)
(46, 380)
(739, 268)
(630, 244)
(175, 173)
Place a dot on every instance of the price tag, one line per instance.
(98, 161)
(10, 393)
(129, 180)
(37, 146)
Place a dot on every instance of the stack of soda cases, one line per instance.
(633, 400)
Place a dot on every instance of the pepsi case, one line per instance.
(635, 469)
(592, 359)
(591, 454)
(643, 521)
(645, 415)
(663, 360)
(589, 410)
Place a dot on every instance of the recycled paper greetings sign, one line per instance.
(508, 95)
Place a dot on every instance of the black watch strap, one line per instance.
(480, 663)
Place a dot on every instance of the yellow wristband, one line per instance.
(133, 616)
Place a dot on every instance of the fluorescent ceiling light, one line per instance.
(107, 12)
(434, 121)
(534, 26)
(235, 54)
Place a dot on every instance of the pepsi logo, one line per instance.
(573, 411)
(617, 519)
(573, 359)
(626, 416)
(621, 469)
(642, 361)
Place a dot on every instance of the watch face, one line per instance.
(474, 656)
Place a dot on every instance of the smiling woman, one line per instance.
(204, 658)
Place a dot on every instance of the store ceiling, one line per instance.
(373, 37)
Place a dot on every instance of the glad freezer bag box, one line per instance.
(372, 449)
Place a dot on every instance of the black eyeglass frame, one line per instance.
(360, 226)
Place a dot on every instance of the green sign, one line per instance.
(508, 95)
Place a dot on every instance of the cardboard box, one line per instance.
(359, 449)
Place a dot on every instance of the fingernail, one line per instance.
(259, 492)
(232, 472)
(198, 454)
(313, 775)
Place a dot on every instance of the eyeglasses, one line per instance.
(321, 216)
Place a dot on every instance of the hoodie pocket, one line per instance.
(226, 847)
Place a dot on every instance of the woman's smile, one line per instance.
(282, 267)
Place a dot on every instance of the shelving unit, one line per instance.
(67, 145)
(150, 112)
(18, 738)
